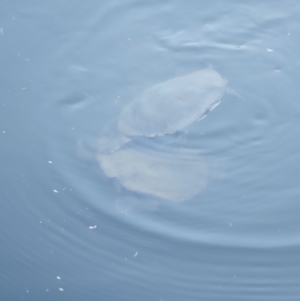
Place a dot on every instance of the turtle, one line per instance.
(165, 108)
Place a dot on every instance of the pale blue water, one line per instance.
(69, 232)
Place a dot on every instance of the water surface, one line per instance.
(70, 232)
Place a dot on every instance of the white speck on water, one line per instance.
(55, 191)
(24, 88)
(93, 227)
(270, 50)
(61, 289)
(58, 277)
(50, 162)
(230, 224)
(3, 132)
(136, 254)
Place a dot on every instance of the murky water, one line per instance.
(161, 204)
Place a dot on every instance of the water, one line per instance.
(69, 232)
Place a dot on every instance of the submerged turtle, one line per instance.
(163, 109)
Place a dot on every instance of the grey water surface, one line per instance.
(161, 204)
